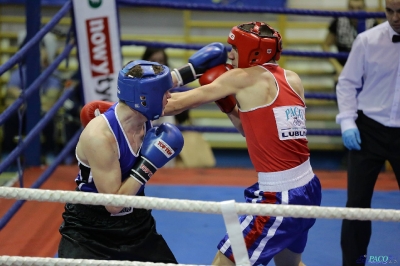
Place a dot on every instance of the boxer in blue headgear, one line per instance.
(118, 152)
(145, 93)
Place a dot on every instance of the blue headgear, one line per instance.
(144, 94)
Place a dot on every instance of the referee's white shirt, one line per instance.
(373, 66)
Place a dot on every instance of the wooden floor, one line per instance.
(33, 231)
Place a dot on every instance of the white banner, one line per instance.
(99, 48)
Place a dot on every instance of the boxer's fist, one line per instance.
(93, 109)
(228, 103)
(207, 57)
(160, 145)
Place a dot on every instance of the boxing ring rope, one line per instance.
(198, 206)
(34, 87)
(36, 261)
(296, 211)
(23, 194)
(339, 55)
(255, 9)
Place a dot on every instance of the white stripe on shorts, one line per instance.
(243, 225)
(271, 231)
(226, 245)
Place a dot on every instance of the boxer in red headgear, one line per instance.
(266, 104)
(257, 43)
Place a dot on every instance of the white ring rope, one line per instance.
(36, 261)
(199, 206)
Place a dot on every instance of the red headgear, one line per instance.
(253, 45)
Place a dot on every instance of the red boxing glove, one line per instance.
(93, 109)
(213, 73)
(228, 103)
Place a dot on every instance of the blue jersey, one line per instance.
(127, 157)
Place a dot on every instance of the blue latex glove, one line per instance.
(351, 139)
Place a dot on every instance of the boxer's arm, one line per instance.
(227, 104)
(220, 88)
(97, 148)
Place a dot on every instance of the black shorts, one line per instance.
(89, 232)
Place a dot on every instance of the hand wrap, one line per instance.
(207, 57)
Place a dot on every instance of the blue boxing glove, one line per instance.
(351, 139)
(209, 56)
(160, 145)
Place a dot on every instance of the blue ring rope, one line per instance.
(36, 84)
(46, 174)
(257, 9)
(39, 36)
(340, 55)
(36, 130)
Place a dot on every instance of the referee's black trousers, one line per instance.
(378, 144)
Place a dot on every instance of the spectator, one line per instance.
(368, 97)
(49, 93)
(343, 31)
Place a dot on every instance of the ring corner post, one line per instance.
(33, 21)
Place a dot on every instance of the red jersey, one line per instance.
(276, 133)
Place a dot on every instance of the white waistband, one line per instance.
(287, 179)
